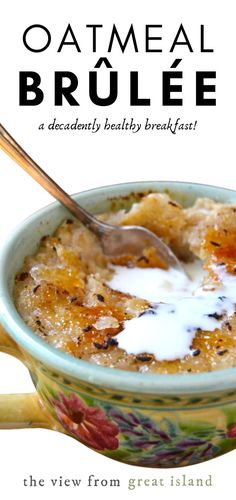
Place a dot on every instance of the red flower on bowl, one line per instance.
(89, 424)
(231, 431)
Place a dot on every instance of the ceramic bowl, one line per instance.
(140, 419)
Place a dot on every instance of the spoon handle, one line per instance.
(115, 239)
(17, 153)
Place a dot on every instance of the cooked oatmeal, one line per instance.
(69, 293)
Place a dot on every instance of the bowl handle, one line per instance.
(22, 410)
(18, 411)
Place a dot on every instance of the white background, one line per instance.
(81, 160)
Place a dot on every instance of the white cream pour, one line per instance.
(182, 306)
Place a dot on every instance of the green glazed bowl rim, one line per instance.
(112, 378)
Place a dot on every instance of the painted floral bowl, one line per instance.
(140, 419)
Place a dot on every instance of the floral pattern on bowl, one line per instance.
(134, 436)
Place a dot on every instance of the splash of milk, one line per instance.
(182, 306)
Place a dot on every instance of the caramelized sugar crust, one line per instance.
(62, 295)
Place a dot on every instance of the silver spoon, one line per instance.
(115, 240)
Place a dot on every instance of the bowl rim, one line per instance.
(110, 378)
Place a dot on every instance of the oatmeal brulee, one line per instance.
(134, 313)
